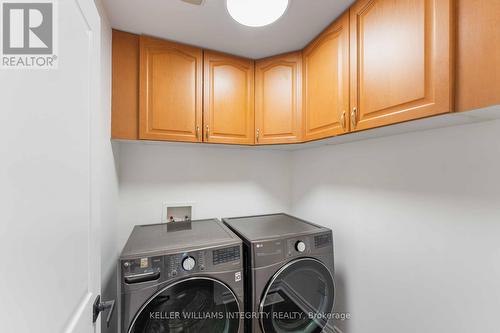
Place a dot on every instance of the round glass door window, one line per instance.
(299, 298)
(190, 306)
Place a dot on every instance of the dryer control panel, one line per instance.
(298, 246)
(268, 252)
(310, 244)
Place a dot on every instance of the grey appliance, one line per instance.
(289, 283)
(181, 277)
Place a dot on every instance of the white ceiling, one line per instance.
(210, 26)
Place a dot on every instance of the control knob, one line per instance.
(188, 263)
(300, 246)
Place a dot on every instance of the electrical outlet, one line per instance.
(177, 211)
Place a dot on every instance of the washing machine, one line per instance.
(181, 277)
(289, 276)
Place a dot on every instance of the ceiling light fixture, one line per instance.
(256, 13)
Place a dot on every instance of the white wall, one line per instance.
(219, 181)
(416, 221)
(416, 217)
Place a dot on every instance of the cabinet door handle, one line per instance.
(197, 132)
(354, 115)
(342, 120)
(207, 131)
(257, 135)
(142, 277)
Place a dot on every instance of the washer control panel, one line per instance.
(227, 254)
(323, 240)
(200, 261)
(184, 263)
(188, 263)
(141, 270)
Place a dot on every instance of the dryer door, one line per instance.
(192, 305)
(298, 298)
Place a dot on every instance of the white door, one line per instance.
(49, 267)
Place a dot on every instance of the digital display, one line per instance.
(322, 240)
(228, 254)
(144, 262)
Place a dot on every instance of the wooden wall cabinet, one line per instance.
(380, 63)
(278, 99)
(401, 61)
(478, 54)
(170, 91)
(125, 86)
(228, 99)
(326, 82)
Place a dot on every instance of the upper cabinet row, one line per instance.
(186, 94)
(194, 95)
(380, 63)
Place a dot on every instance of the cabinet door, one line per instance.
(326, 82)
(125, 86)
(278, 92)
(478, 54)
(170, 91)
(228, 99)
(401, 56)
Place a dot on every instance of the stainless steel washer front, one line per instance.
(198, 304)
(182, 278)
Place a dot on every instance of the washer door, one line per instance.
(191, 305)
(299, 298)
